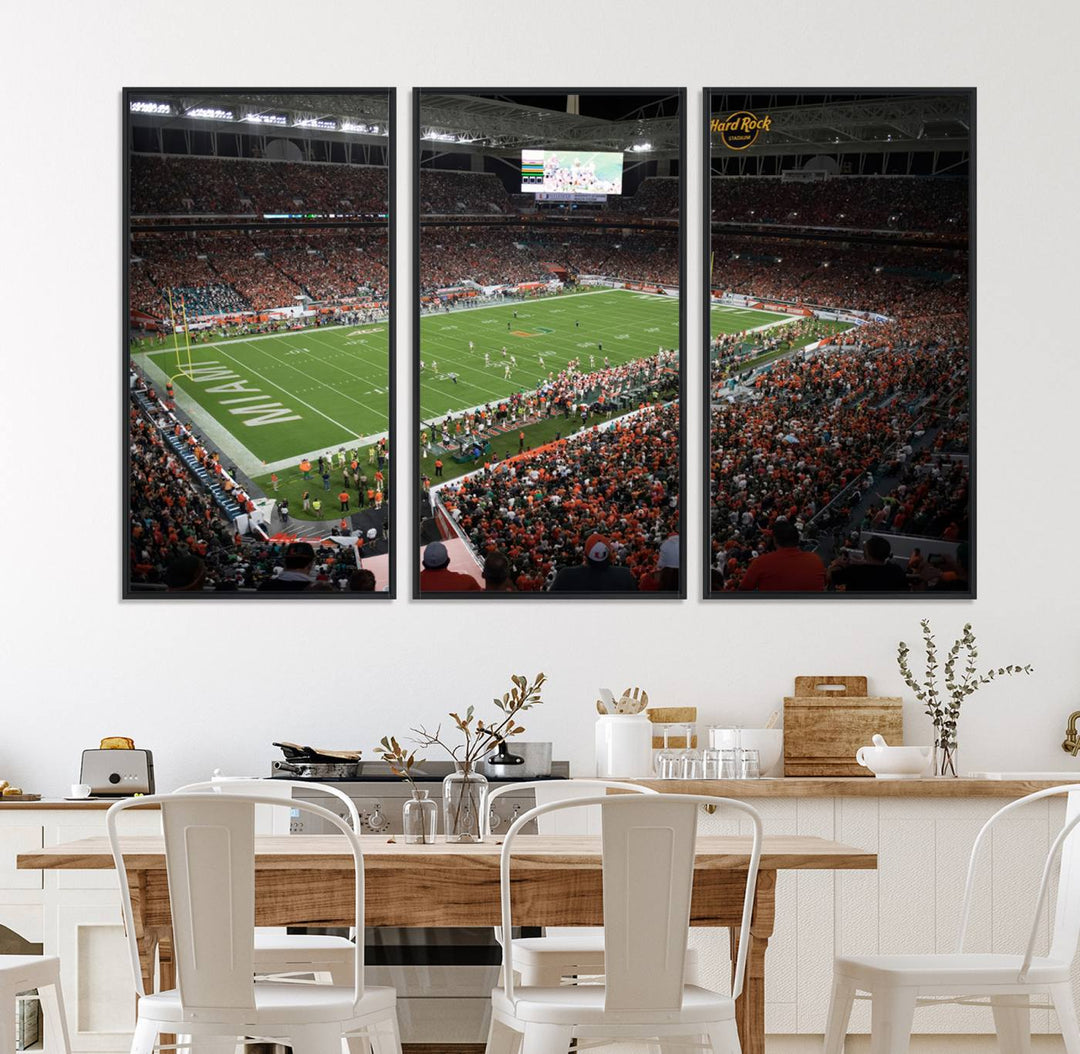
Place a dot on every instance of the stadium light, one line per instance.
(266, 118)
(641, 148)
(316, 122)
(440, 137)
(210, 113)
(162, 108)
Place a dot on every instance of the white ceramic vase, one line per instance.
(623, 745)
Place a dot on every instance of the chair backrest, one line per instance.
(556, 790)
(210, 862)
(1066, 934)
(648, 844)
(254, 785)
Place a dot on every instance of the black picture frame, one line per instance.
(708, 593)
(127, 94)
(414, 473)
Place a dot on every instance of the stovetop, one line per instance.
(433, 772)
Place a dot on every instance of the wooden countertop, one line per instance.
(63, 803)
(328, 852)
(855, 787)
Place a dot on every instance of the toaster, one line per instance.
(118, 773)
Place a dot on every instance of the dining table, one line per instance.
(556, 881)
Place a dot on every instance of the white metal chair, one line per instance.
(648, 869)
(547, 960)
(898, 984)
(23, 973)
(210, 860)
(278, 955)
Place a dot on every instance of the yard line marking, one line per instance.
(291, 395)
(323, 384)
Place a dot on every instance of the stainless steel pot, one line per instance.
(535, 757)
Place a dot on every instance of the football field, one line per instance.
(729, 319)
(617, 323)
(279, 396)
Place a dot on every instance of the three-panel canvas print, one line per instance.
(545, 451)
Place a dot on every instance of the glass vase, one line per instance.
(464, 796)
(419, 819)
(946, 761)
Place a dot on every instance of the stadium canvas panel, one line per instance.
(548, 367)
(258, 354)
(839, 367)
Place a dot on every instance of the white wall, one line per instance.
(213, 683)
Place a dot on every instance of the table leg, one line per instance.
(750, 1006)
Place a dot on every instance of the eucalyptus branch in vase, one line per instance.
(944, 709)
(400, 760)
(481, 738)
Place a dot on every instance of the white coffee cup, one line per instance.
(81, 790)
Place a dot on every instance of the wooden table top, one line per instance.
(328, 852)
(856, 787)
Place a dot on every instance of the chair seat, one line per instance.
(275, 1004)
(950, 969)
(301, 948)
(584, 1005)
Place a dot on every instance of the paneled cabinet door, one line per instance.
(95, 971)
(15, 839)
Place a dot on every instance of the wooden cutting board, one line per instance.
(672, 715)
(829, 718)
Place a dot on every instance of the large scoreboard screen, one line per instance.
(574, 172)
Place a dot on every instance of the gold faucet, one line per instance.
(1072, 737)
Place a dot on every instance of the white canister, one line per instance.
(623, 745)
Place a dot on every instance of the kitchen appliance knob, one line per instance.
(114, 777)
(494, 820)
(376, 821)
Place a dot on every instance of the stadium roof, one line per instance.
(882, 124)
(497, 123)
(349, 115)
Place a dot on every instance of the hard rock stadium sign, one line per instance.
(741, 129)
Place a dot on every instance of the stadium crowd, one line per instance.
(448, 192)
(901, 203)
(513, 255)
(174, 525)
(177, 185)
(540, 508)
(879, 279)
(233, 271)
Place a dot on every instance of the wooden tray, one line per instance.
(19, 797)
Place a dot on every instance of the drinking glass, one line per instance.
(689, 759)
(749, 765)
(729, 764)
(712, 759)
(667, 759)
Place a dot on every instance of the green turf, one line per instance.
(629, 325)
(291, 485)
(728, 319)
(290, 393)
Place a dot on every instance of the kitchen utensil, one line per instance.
(768, 742)
(894, 763)
(607, 699)
(295, 752)
(632, 701)
(773, 720)
(117, 773)
(829, 718)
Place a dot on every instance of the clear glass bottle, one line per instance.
(464, 801)
(419, 819)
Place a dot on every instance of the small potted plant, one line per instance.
(943, 709)
(465, 789)
(419, 814)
